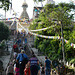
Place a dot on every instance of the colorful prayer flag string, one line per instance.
(49, 37)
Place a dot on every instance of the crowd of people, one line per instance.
(23, 65)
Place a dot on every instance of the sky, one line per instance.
(17, 7)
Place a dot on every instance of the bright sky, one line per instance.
(17, 7)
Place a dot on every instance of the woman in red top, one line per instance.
(27, 69)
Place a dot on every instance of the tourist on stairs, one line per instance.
(34, 65)
(23, 60)
(47, 66)
(27, 69)
(16, 68)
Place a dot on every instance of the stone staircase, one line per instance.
(6, 58)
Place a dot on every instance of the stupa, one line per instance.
(24, 14)
(24, 18)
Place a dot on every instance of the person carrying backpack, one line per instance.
(23, 60)
(34, 62)
(15, 47)
(47, 66)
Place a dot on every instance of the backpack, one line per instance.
(25, 60)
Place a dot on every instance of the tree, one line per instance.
(4, 31)
(39, 1)
(5, 4)
(60, 12)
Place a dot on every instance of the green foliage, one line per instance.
(4, 31)
(38, 0)
(72, 61)
(5, 4)
(2, 45)
(72, 36)
(51, 15)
